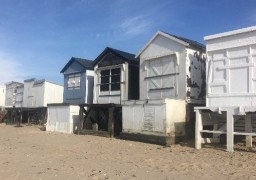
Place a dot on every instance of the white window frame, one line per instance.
(110, 92)
(74, 81)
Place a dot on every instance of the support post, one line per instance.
(199, 127)
(111, 121)
(28, 118)
(215, 128)
(230, 130)
(248, 129)
(81, 118)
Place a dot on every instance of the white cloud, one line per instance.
(135, 25)
(10, 70)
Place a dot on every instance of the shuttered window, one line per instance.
(162, 77)
(74, 81)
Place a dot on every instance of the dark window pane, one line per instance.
(115, 71)
(105, 72)
(104, 79)
(115, 87)
(115, 78)
(104, 87)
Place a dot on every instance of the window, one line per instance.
(74, 81)
(110, 80)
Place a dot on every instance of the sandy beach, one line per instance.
(28, 153)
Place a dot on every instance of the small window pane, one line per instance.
(104, 87)
(105, 80)
(115, 71)
(115, 78)
(115, 87)
(105, 72)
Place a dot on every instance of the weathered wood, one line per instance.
(199, 128)
(248, 129)
(111, 121)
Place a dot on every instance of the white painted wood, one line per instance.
(212, 131)
(165, 55)
(39, 94)
(62, 118)
(230, 131)
(198, 130)
(11, 93)
(115, 97)
(244, 134)
(155, 118)
(2, 96)
(248, 129)
(231, 64)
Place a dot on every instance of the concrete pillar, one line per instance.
(230, 131)
(248, 129)
(199, 127)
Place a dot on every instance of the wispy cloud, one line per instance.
(11, 69)
(135, 25)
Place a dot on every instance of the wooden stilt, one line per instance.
(111, 121)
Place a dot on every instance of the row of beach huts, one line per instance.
(172, 89)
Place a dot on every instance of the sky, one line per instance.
(38, 37)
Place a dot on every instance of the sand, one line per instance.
(28, 153)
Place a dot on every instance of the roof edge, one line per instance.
(165, 35)
(230, 33)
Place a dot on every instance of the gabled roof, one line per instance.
(87, 64)
(124, 55)
(186, 42)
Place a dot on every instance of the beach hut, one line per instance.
(116, 77)
(78, 81)
(39, 93)
(30, 100)
(231, 88)
(172, 82)
(78, 89)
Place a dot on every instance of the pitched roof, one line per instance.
(87, 64)
(186, 42)
(124, 55)
(191, 43)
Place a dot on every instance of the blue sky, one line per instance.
(38, 37)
